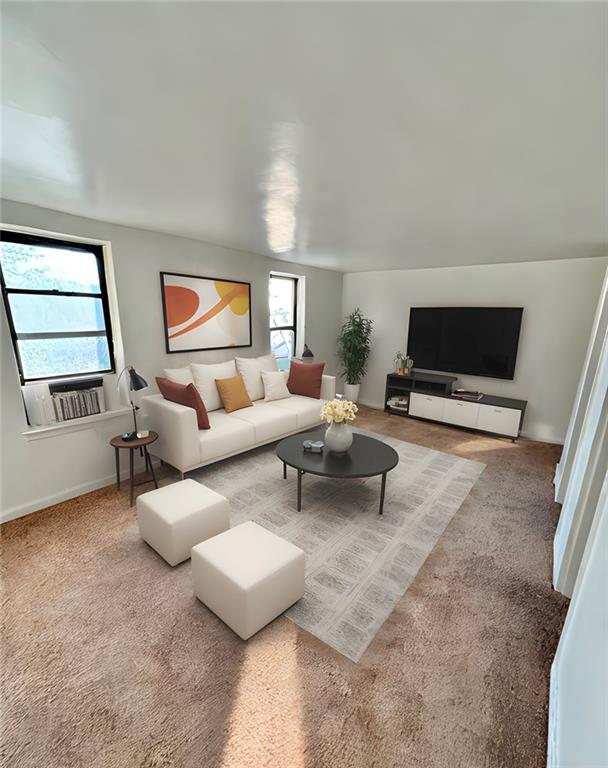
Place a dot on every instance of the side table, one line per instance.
(141, 443)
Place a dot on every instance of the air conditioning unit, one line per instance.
(38, 405)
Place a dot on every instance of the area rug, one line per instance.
(358, 564)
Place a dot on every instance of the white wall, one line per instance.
(38, 473)
(559, 300)
(578, 716)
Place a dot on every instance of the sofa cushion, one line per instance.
(180, 375)
(184, 394)
(275, 386)
(227, 435)
(305, 379)
(306, 410)
(233, 394)
(251, 369)
(268, 422)
(204, 377)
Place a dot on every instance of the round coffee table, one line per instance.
(367, 457)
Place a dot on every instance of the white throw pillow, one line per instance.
(251, 369)
(275, 386)
(204, 377)
(180, 375)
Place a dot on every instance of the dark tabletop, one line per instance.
(118, 442)
(365, 458)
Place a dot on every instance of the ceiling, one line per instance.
(352, 136)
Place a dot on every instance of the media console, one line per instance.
(429, 396)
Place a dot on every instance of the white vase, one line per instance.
(339, 437)
(351, 392)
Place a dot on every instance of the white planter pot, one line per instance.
(338, 437)
(351, 392)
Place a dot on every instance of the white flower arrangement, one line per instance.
(339, 411)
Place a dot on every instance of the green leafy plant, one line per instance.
(354, 345)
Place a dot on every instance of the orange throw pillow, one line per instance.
(305, 379)
(233, 393)
(184, 394)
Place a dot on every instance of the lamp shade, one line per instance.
(136, 382)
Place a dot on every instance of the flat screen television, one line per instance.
(480, 341)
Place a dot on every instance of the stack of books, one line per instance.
(78, 403)
(399, 403)
(466, 394)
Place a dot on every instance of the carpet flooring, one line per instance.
(358, 564)
(109, 661)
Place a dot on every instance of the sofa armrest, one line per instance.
(178, 433)
(328, 387)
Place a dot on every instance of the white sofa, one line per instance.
(184, 446)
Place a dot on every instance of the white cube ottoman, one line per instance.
(174, 518)
(247, 576)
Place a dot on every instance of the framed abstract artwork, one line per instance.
(205, 312)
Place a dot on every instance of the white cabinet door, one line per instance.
(503, 421)
(426, 406)
(462, 413)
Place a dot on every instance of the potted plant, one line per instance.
(354, 345)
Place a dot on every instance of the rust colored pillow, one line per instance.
(305, 379)
(184, 394)
(233, 393)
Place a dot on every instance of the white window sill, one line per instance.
(73, 425)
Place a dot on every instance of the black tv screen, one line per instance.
(480, 341)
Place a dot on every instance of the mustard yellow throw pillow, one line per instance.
(233, 393)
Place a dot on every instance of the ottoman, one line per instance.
(247, 576)
(174, 518)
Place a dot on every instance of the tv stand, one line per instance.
(429, 396)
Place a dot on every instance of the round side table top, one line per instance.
(118, 442)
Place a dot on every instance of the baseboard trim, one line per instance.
(553, 731)
(539, 439)
(68, 493)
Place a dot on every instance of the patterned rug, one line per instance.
(358, 564)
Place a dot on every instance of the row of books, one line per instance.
(78, 403)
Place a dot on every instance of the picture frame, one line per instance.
(205, 313)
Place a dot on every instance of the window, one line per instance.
(283, 318)
(56, 302)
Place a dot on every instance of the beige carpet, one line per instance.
(109, 661)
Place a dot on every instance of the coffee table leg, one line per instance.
(300, 473)
(131, 477)
(382, 489)
(117, 459)
(284, 471)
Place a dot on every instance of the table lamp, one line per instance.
(136, 382)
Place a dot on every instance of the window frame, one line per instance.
(294, 328)
(23, 238)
